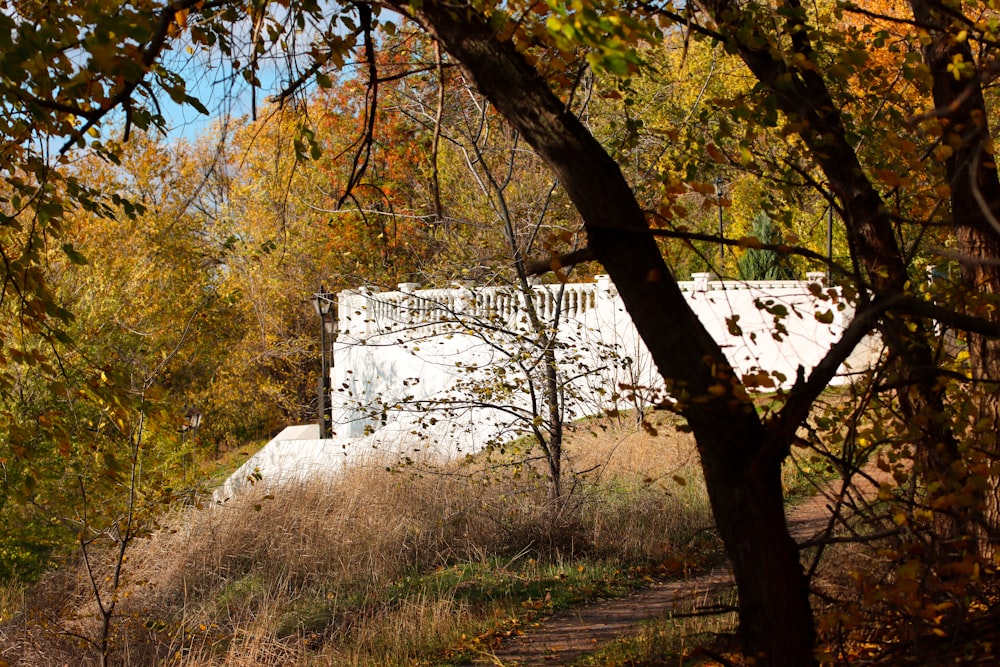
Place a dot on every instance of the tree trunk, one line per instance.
(748, 505)
(975, 199)
(740, 460)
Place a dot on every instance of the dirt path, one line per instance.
(570, 635)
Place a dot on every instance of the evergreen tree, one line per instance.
(761, 263)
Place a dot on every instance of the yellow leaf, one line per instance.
(943, 152)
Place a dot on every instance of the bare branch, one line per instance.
(361, 158)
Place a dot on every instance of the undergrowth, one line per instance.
(424, 565)
(419, 565)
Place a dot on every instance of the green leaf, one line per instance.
(196, 103)
(825, 317)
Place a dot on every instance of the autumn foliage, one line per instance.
(147, 278)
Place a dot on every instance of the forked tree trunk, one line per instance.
(802, 95)
(740, 459)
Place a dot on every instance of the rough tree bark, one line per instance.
(741, 458)
(975, 205)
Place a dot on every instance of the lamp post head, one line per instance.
(322, 303)
(192, 420)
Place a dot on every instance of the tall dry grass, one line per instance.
(11, 599)
(316, 573)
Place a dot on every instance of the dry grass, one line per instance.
(645, 490)
(342, 572)
(11, 599)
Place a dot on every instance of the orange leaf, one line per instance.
(715, 153)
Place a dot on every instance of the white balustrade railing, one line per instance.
(415, 312)
(364, 312)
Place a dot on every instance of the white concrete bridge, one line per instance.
(440, 373)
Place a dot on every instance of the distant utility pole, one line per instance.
(722, 246)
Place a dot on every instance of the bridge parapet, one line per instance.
(414, 312)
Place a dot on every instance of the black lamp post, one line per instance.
(722, 246)
(322, 302)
